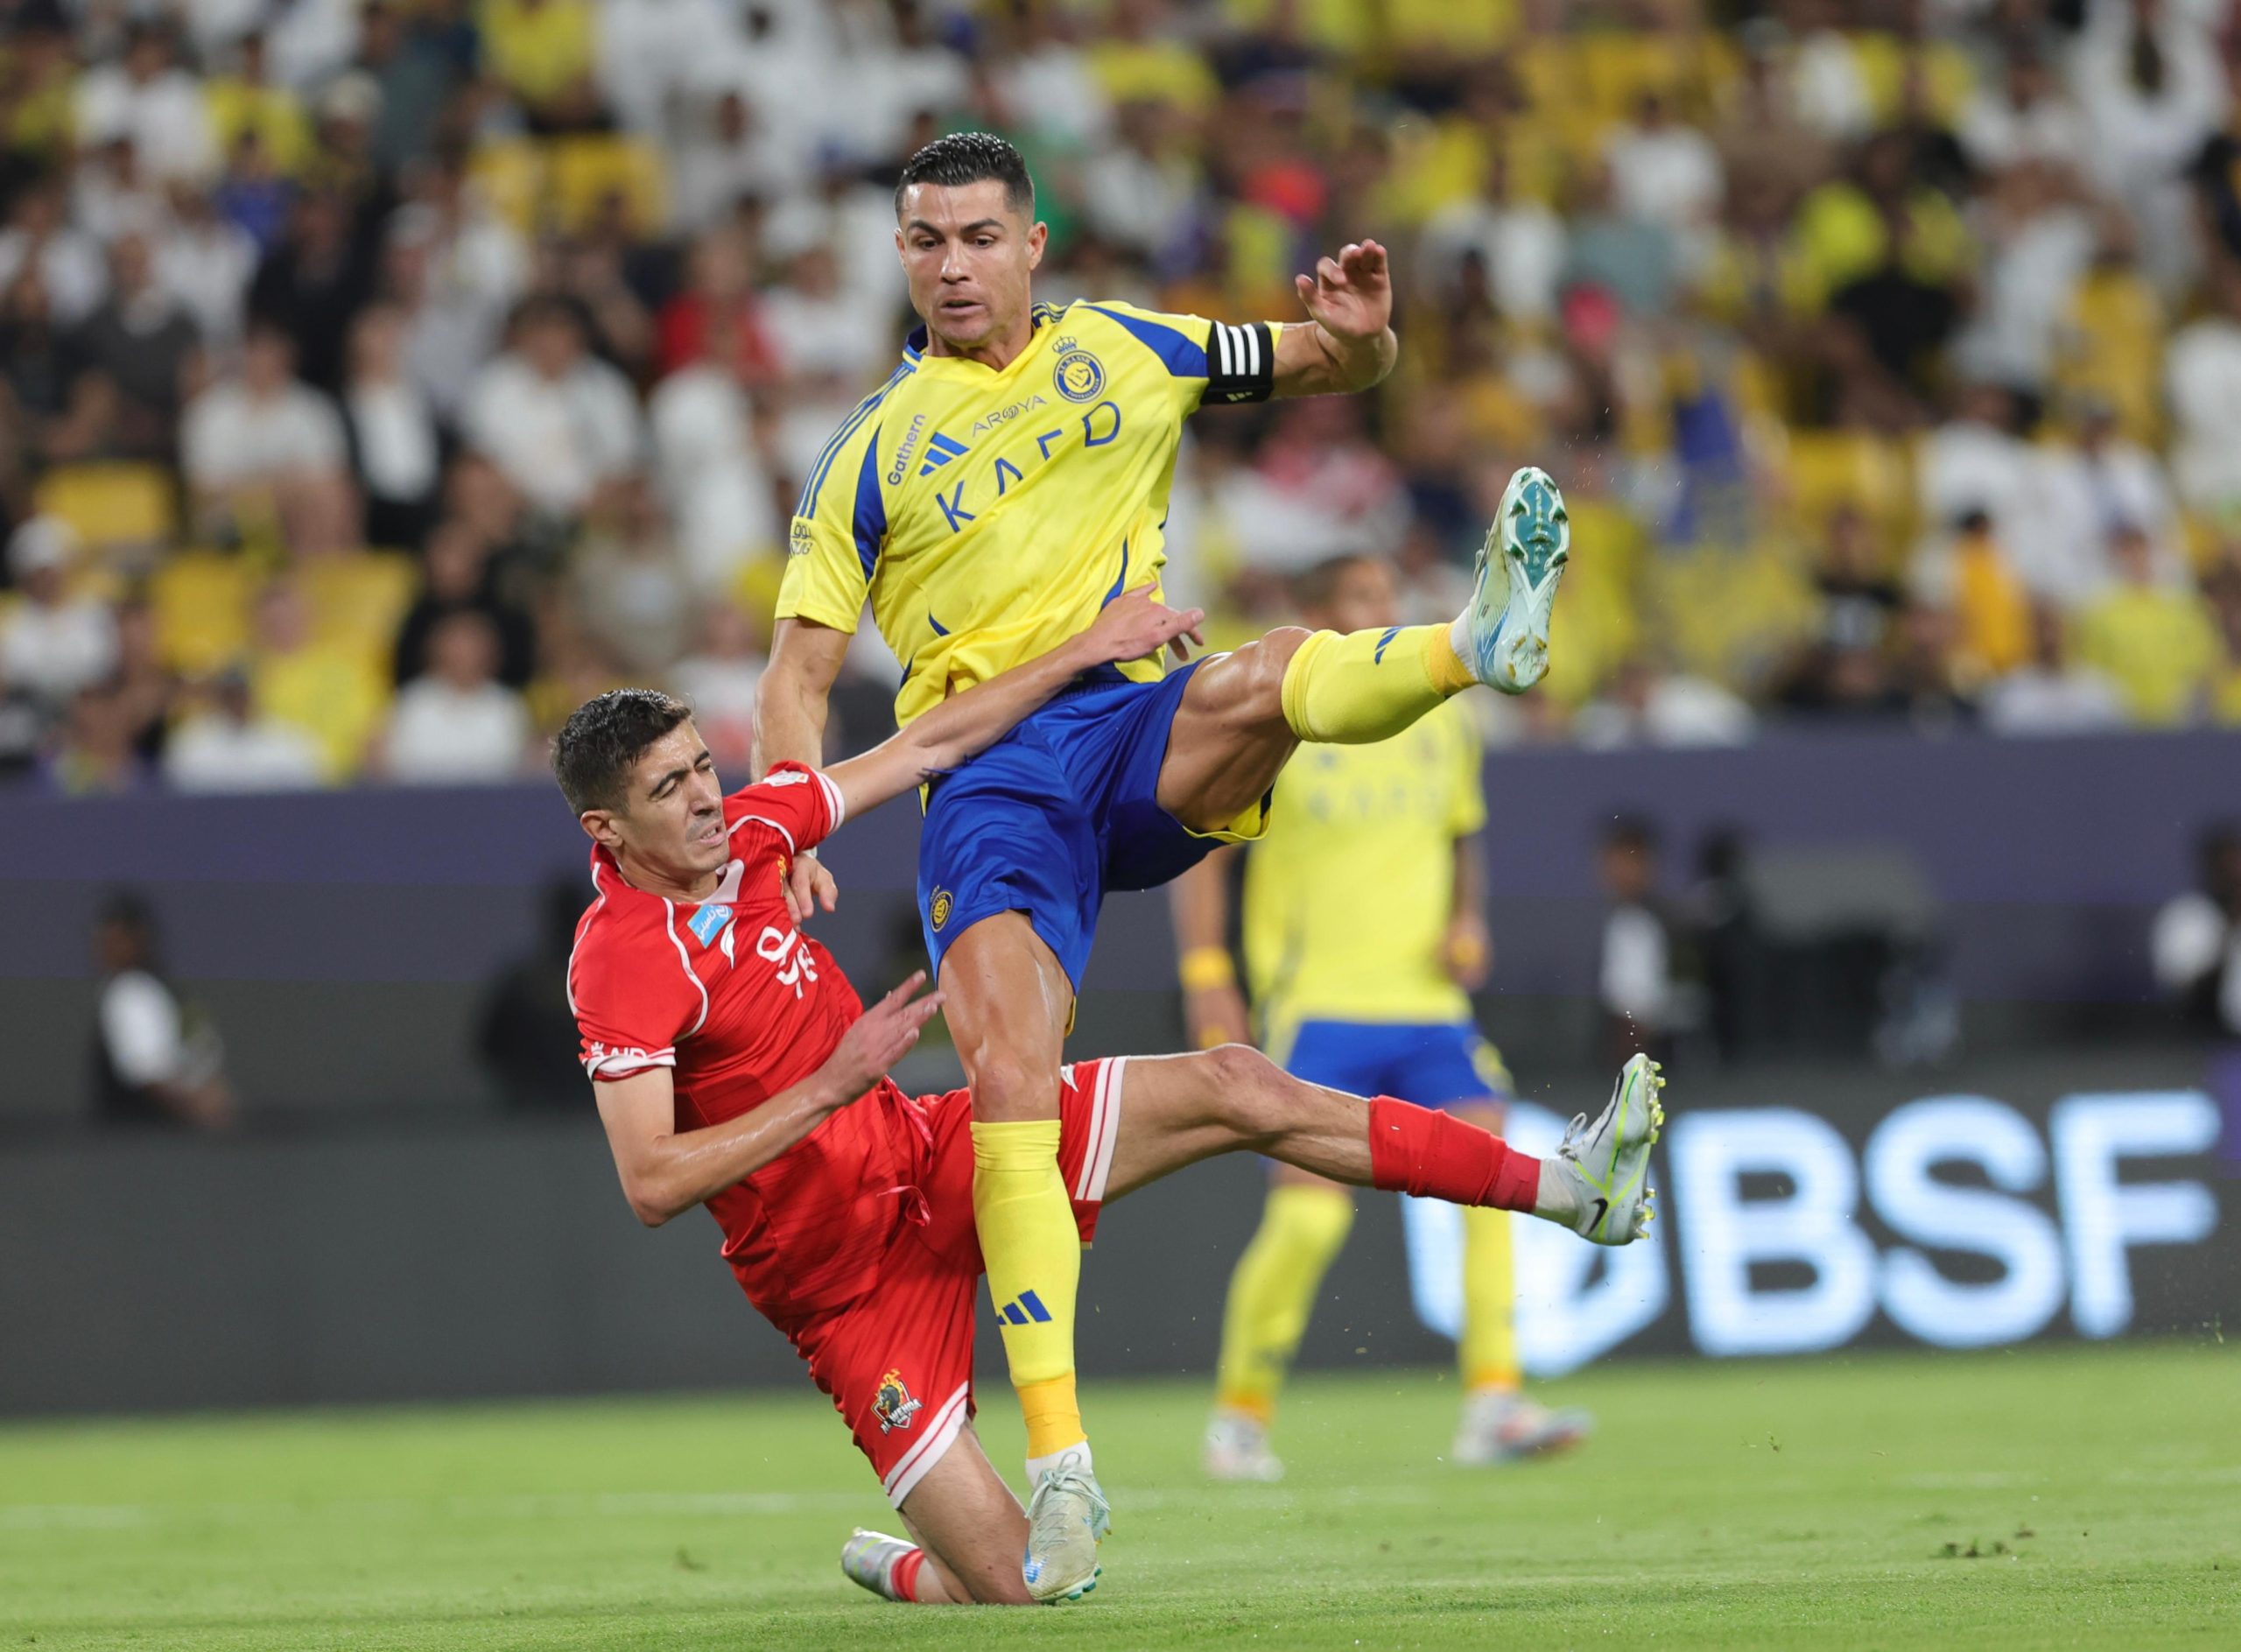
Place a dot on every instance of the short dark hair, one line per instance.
(602, 740)
(967, 157)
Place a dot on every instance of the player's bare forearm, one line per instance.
(666, 1171)
(789, 709)
(1131, 626)
(1347, 344)
(792, 699)
(1311, 361)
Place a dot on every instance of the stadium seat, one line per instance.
(201, 600)
(112, 504)
(360, 600)
(582, 172)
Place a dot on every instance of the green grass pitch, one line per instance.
(2087, 1496)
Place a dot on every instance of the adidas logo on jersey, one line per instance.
(940, 450)
(1024, 1309)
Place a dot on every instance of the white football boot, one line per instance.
(869, 1559)
(1609, 1159)
(1066, 1520)
(1503, 636)
(1499, 1427)
(1236, 1448)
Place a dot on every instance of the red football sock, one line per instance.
(904, 1577)
(1414, 1149)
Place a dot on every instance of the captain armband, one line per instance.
(1240, 362)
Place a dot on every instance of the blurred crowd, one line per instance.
(380, 377)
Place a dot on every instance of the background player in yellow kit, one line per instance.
(1361, 983)
(1009, 478)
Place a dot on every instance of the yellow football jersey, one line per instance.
(990, 515)
(1347, 899)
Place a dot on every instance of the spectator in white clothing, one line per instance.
(1520, 243)
(1647, 707)
(157, 1060)
(2195, 945)
(2202, 378)
(395, 445)
(2091, 490)
(52, 645)
(264, 445)
(818, 327)
(719, 683)
(709, 460)
(2051, 694)
(40, 237)
(1138, 192)
(457, 724)
(560, 424)
(205, 262)
(1640, 974)
(226, 745)
(149, 100)
(2027, 117)
(1665, 171)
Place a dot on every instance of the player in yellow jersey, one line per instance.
(1361, 983)
(1009, 478)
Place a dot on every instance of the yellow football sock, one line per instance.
(1362, 687)
(1489, 1344)
(1034, 1257)
(1273, 1291)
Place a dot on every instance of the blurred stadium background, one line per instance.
(378, 378)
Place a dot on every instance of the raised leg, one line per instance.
(1244, 713)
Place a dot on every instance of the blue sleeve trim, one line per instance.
(871, 508)
(1183, 357)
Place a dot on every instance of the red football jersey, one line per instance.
(740, 1004)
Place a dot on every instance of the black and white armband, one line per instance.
(1240, 362)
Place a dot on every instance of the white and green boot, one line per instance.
(1607, 1162)
(1503, 636)
(1066, 1518)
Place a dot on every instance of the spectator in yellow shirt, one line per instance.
(1138, 62)
(544, 51)
(2158, 644)
(246, 101)
(329, 690)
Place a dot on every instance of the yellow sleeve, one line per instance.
(1206, 360)
(833, 545)
(1467, 810)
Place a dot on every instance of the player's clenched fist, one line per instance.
(881, 1037)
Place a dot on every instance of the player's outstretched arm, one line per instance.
(1133, 625)
(1349, 345)
(790, 703)
(666, 1171)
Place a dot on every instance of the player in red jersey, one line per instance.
(735, 1067)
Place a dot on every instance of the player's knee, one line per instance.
(1002, 1587)
(1245, 1092)
(1263, 664)
(1007, 1086)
